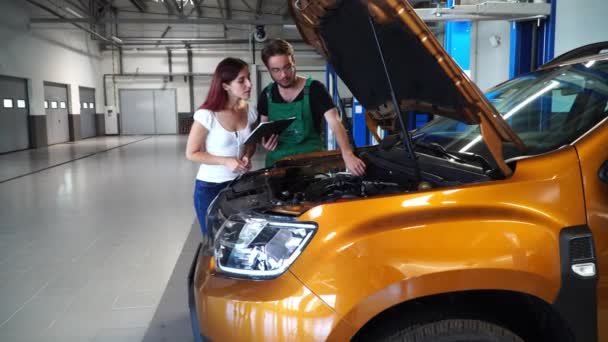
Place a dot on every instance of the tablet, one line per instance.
(268, 128)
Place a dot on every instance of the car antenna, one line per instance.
(407, 140)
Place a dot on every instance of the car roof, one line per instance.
(598, 57)
(580, 54)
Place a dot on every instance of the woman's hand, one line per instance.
(236, 165)
(271, 143)
(246, 162)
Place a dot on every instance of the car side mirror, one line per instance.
(603, 172)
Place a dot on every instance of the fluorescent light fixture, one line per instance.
(116, 39)
(72, 12)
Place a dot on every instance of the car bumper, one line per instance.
(281, 309)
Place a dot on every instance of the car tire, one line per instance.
(455, 330)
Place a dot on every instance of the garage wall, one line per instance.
(53, 53)
(205, 59)
(490, 62)
(579, 23)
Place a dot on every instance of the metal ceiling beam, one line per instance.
(169, 8)
(197, 6)
(162, 36)
(228, 8)
(247, 5)
(486, 11)
(73, 23)
(186, 21)
(77, 6)
(187, 40)
(84, 3)
(195, 44)
(258, 7)
(181, 43)
(177, 7)
(139, 5)
(219, 6)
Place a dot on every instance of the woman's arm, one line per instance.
(196, 151)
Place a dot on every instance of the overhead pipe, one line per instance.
(190, 80)
(73, 23)
(185, 21)
(162, 36)
(148, 39)
(170, 62)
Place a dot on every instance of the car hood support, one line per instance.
(423, 76)
(407, 139)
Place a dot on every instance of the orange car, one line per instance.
(488, 224)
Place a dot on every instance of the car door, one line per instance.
(593, 156)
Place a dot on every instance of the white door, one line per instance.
(57, 123)
(13, 114)
(87, 113)
(148, 111)
(165, 111)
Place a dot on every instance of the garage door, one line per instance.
(148, 111)
(13, 114)
(87, 112)
(56, 104)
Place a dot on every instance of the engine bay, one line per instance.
(292, 187)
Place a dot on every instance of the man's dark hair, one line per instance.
(276, 47)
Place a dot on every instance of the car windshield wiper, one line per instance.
(461, 157)
(474, 157)
(438, 149)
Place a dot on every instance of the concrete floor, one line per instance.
(90, 233)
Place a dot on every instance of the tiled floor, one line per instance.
(90, 234)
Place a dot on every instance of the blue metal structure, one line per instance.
(458, 41)
(331, 79)
(532, 43)
(359, 128)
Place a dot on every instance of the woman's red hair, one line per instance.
(225, 72)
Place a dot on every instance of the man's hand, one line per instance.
(271, 143)
(353, 164)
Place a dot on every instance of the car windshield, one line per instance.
(547, 109)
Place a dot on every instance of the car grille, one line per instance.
(581, 249)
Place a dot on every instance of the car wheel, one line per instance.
(455, 330)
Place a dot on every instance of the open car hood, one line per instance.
(424, 77)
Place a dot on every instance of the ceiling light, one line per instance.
(116, 39)
(74, 13)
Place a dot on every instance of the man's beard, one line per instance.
(291, 84)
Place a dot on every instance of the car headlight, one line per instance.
(253, 247)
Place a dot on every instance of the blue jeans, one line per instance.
(204, 193)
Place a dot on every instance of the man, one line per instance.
(291, 95)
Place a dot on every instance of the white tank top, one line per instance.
(223, 143)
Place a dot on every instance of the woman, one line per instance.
(220, 127)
